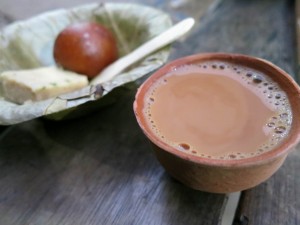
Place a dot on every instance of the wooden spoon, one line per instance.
(150, 46)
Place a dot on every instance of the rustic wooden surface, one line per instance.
(100, 170)
(96, 170)
(270, 35)
(276, 201)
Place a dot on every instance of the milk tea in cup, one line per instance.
(219, 110)
(220, 122)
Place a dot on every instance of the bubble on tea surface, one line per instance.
(184, 146)
(283, 115)
(278, 96)
(232, 156)
(280, 129)
(222, 67)
(257, 79)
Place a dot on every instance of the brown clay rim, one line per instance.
(284, 80)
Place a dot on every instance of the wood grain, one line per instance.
(275, 201)
(264, 29)
(100, 170)
(96, 170)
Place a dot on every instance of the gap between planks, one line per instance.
(229, 209)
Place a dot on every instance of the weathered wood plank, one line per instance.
(96, 170)
(100, 170)
(276, 201)
(265, 29)
(261, 28)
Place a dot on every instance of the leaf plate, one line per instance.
(29, 44)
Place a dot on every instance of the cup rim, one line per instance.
(285, 81)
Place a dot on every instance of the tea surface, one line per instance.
(218, 110)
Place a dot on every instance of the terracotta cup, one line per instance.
(216, 175)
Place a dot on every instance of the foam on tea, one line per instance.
(218, 110)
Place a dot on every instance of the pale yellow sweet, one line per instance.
(39, 84)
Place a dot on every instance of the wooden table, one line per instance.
(99, 169)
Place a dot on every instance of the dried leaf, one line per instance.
(29, 44)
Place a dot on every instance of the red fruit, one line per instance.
(85, 48)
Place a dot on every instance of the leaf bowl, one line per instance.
(29, 44)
